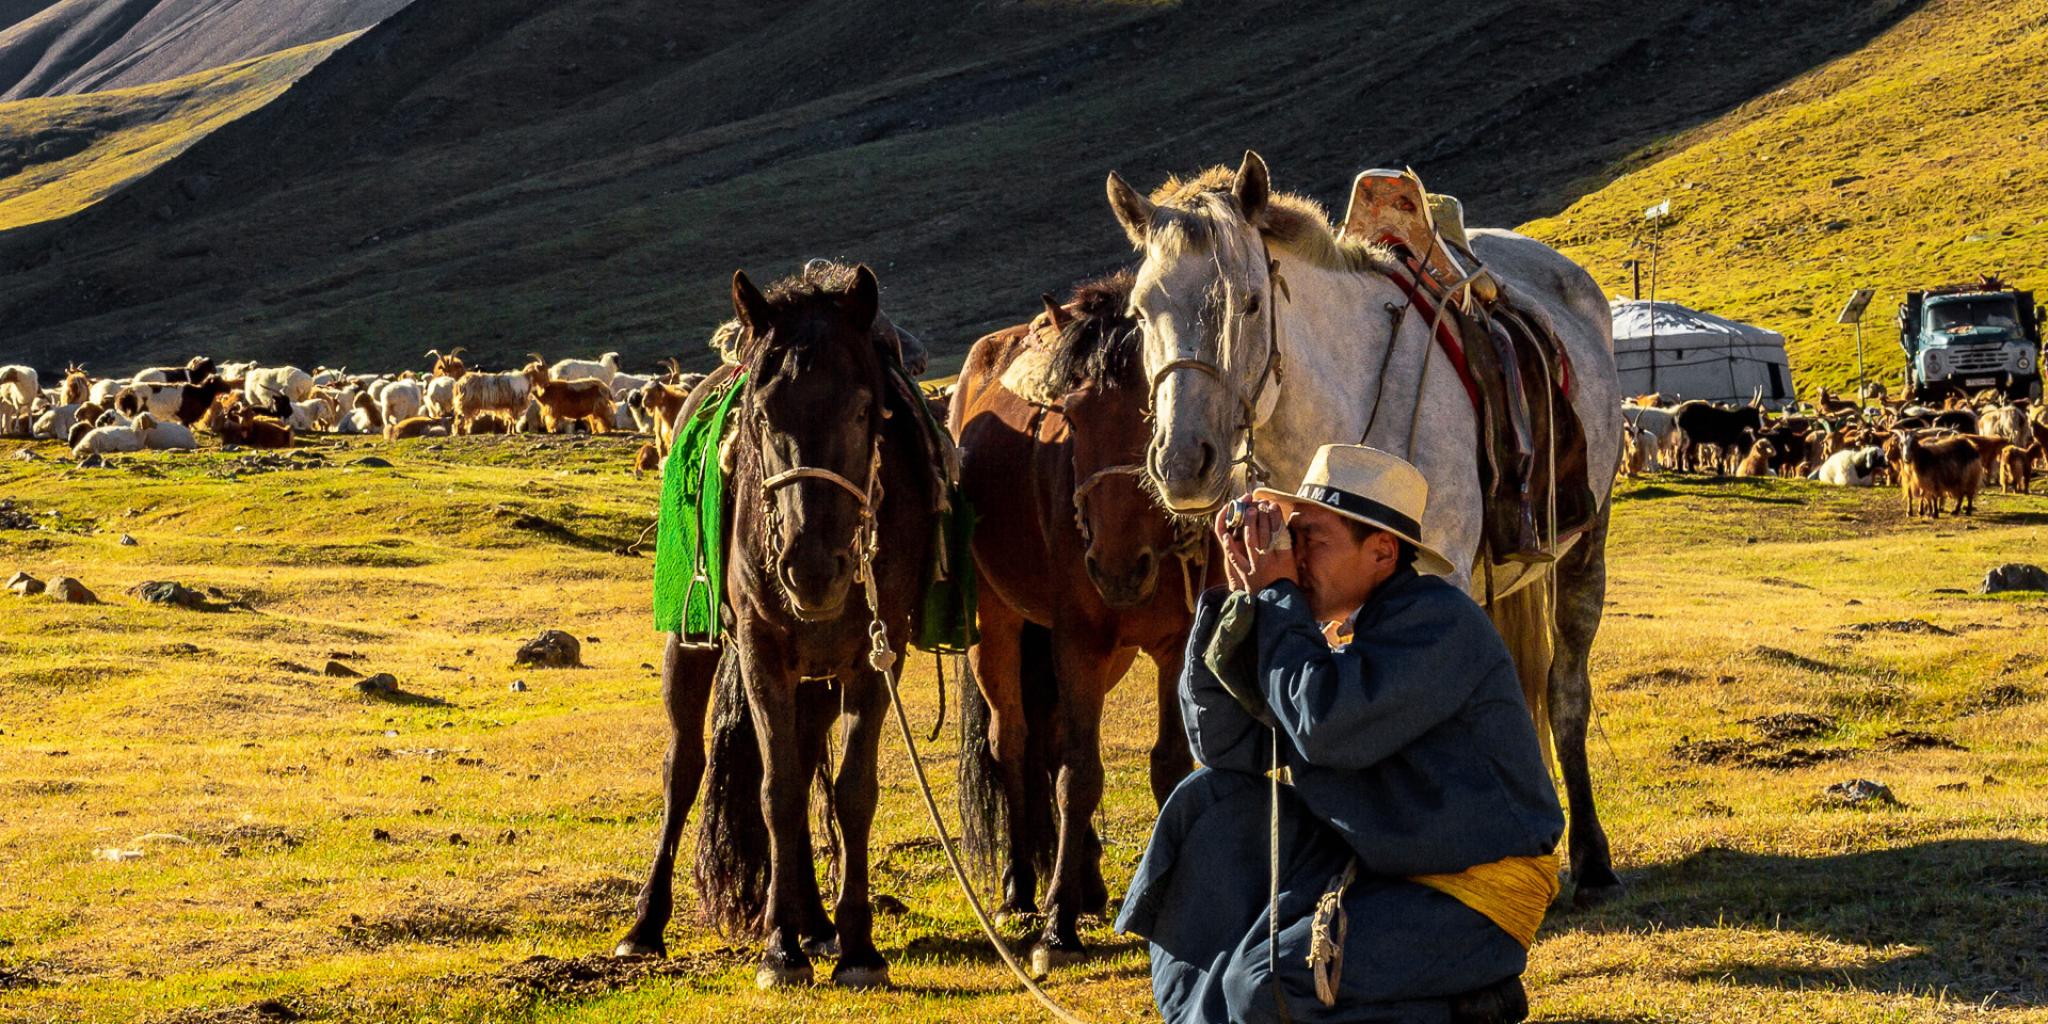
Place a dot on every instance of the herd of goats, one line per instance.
(1934, 455)
(255, 406)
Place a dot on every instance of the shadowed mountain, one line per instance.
(585, 174)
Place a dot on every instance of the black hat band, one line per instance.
(1362, 507)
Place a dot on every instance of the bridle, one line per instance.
(866, 498)
(1190, 537)
(1276, 287)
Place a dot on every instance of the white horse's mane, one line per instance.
(1187, 212)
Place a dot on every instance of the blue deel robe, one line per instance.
(1410, 748)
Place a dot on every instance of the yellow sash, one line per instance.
(1512, 892)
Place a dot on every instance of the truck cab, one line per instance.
(1968, 339)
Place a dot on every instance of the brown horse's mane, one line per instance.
(1185, 210)
(1100, 344)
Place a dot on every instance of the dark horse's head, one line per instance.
(1097, 367)
(814, 408)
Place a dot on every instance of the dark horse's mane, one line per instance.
(819, 281)
(1099, 345)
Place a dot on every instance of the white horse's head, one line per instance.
(1202, 300)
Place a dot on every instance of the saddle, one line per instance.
(1511, 363)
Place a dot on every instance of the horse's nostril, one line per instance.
(1144, 563)
(1208, 459)
(1094, 569)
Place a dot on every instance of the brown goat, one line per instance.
(240, 425)
(571, 401)
(418, 426)
(77, 386)
(1758, 461)
(490, 423)
(646, 460)
(2016, 468)
(1936, 469)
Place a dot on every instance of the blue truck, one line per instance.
(1970, 338)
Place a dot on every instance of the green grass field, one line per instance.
(298, 841)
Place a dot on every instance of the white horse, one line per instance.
(1266, 336)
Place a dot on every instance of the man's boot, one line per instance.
(1503, 1002)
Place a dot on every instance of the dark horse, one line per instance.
(1051, 421)
(830, 476)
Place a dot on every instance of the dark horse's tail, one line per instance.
(732, 840)
(984, 813)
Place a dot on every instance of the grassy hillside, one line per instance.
(59, 155)
(298, 841)
(1914, 161)
(570, 175)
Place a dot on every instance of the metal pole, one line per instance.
(1656, 232)
(1859, 367)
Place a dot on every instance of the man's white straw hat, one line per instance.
(1373, 487)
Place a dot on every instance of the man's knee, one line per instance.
(1207, 787)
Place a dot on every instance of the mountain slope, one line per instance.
(75, 46)
(61, 154)
(1916, 160)
(587, 173)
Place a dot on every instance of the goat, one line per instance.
(19, 390)
(1729, 430)
(664, 403)
(196, 369)
(240, 425)
(118, 437)
(1830, 405)
(490, 423)
(1942, 468)
(646, 460)
(437, 396)
(1758, 461)
(266, 386)
(400, 401)
(166, 436)
(2006, 421)
(563, 402)
(416, 426)
(507, 392)
(603, 368)
(1852, 467)
(2016, 467)
(362, 418)
(76, 385)
(313, 414)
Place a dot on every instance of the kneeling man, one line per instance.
(1398, 861)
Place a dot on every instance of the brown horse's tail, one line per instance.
(984, 811)
(732, 841)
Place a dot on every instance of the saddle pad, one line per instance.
(689, 553)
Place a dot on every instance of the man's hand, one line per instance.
(1261, 551)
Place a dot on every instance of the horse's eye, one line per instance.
(1251, 305)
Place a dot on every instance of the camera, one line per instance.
(1237, 513)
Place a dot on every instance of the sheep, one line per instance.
(326, 378)
(603, 368)
(2016, 467)
(623, 419)
(275, 387)
(1852, 467)
(104, 392)
(400, 401)
(114, 438)
(55, 422)
(313, 414)
(416, 426)
(508, 392)
(166, 436)
(1932, 470)
(563, 402)
(20, 388)
(1758, 461)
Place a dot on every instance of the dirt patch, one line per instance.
(599, 972)
(1741, 753)
(23, 975)
(1666, 676)
(1793, 725)
(2019, 663)
(258, 837)
(2001, 696)
(1780, 581)
(432, 924)
(597, 900)
(1920, 627)
(1913, 739)
(1791, 659)
(269, 1011)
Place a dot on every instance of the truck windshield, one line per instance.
(1985, 316)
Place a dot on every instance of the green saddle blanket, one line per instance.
(689, 554)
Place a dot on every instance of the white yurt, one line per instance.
(1683, 354)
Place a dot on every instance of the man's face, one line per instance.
(1335, 569)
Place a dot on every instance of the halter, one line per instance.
(862, 543)
(1276, 287)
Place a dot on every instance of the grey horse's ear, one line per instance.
(1252, 187)
(748, 304)
(1133, 211)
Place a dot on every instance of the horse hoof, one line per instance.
(1586, 896)
(630, 946)
(782, 975)
(861, 977)
(827, 947)
(1045, 957)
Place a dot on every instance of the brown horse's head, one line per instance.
(1098, 367)
(814, 409)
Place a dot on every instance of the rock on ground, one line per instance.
(69, 590)
(24, 585)
(2015, 576)
(551, 649)
(168, 592)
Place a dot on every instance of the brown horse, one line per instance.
(1051, 421)
(831, 476)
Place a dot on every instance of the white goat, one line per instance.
(603, 368)
(171, 436)
(400, 401)
(118, 437)
(439, 396)
(1851, 467)
(19, 389)
(264, 386)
